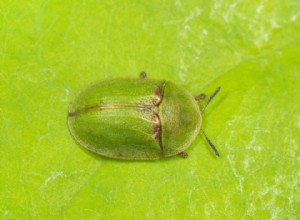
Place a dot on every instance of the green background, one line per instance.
(51, 49)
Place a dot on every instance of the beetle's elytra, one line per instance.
(136, 119)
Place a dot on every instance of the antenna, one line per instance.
(210, 143)
(201, 97)
(210, 98)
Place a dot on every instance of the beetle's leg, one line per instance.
(200, 97)
(183, 154)
(143, 75)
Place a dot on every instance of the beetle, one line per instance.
(137, 119)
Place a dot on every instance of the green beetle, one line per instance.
(136, 119)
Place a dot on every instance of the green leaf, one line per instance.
(51, 49)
